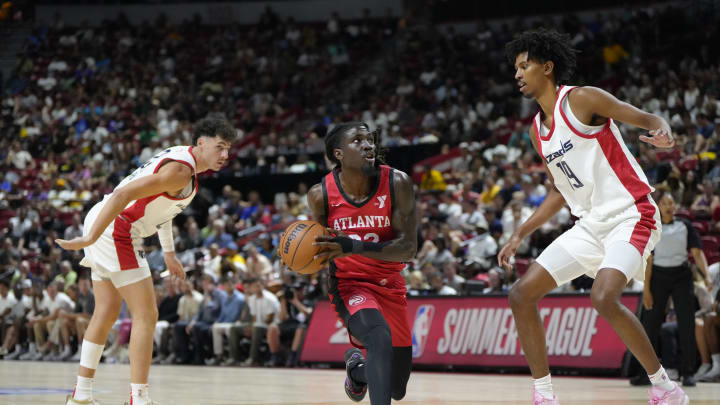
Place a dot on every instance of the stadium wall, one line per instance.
(218, 12)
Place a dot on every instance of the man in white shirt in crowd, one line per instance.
(481, 248)
(471, 217)
(17, 317)
(263, 307)
(38, 301)
(258, 266)
(7, 301)
(49, 323)
(437, 282)
(212, 261)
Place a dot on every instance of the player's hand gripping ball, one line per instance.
(296, 247)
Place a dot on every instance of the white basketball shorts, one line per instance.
(623, 243)
(109, 259)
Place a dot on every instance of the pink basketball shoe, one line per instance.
(541, 400)
(659, 396)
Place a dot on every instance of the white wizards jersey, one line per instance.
(592, 168)
(120, 246)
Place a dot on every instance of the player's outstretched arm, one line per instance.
(404, 221)
(170, 178)
(553, 202)
(587, 102)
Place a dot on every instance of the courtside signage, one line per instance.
(480, 331)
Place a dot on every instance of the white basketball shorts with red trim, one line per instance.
(623, 243)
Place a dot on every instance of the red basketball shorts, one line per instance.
(348, 296)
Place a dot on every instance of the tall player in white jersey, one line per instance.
(595, 174)
(144, 203)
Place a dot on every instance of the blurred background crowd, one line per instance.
(85, 105)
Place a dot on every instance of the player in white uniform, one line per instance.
(595, 174)
(144, 203)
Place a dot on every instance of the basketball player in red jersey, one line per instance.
(370, 210)
(143, 204)
(593, 172)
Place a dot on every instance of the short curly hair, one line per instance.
(334, 139)
(213, 126)
(545, 45)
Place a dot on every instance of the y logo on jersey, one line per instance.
(421, 329)
(380, 203)
(559, 153)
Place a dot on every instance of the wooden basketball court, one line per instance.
(48, 383)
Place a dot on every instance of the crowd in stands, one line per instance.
(89, 104)
(17, 10)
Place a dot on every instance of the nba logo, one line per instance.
(421, 329)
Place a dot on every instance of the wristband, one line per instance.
(348, 245)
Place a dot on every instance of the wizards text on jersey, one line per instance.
(559, 153)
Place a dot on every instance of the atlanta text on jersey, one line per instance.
(362, 221)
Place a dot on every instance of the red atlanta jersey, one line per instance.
(368, 221)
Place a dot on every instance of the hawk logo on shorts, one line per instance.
(421, 329)
(356, 300)
(381, 201)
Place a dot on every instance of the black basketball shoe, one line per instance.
(355, 391)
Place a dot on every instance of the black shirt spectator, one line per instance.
(85, 303)
(167, 310)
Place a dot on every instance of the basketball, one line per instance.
(296, 246)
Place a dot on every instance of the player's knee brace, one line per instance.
(370, 327)
(398, 393)
(402, 365)
(379, 340)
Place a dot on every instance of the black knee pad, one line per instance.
(402, 366)
(379, 340)
(371, 329)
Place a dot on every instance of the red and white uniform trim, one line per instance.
(120, 245)
(594, 170)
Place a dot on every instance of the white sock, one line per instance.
(661, 379)
(543, 386)
(83, 389)
(704, 368)
(715, 360)
(32, 347)
(140, 394)
(18, 348)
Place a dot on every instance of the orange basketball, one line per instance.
(296, 249)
